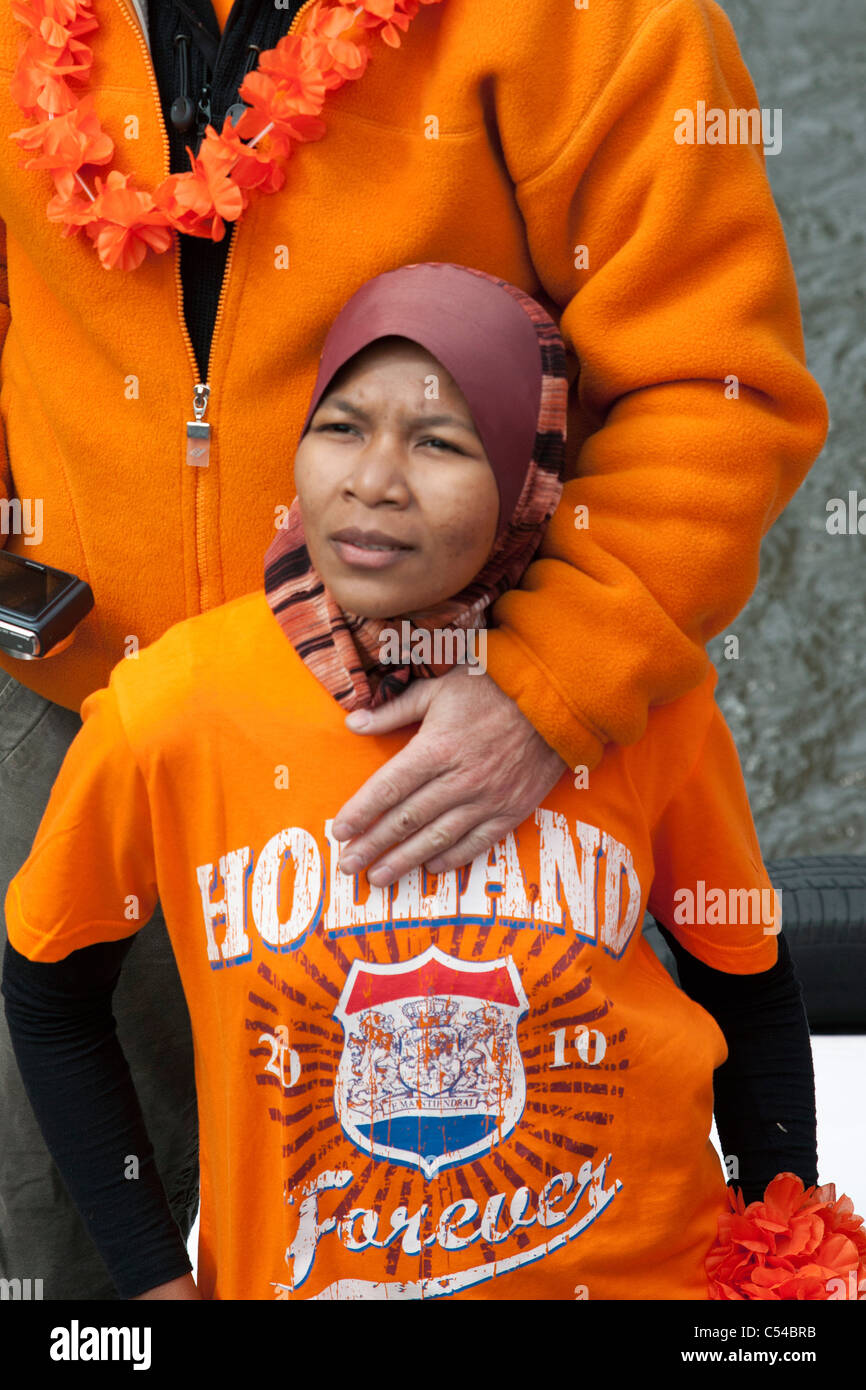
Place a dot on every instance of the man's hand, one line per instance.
(474, 770)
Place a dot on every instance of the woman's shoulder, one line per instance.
(661, 761)
(205, 664)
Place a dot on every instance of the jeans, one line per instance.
(41, 1234)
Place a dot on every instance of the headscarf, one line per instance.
(507, 357)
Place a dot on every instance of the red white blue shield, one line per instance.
(431, 1073)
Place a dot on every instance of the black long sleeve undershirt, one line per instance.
(78, 1081)
(79, 1084)
(764, 1094)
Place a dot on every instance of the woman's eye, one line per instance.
(434, 439)
(334, 425)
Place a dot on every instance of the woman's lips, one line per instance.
(367, 557)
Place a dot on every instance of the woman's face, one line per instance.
(398, 499)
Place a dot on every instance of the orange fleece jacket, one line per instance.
(501, 136)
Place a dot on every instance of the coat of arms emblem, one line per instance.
(431, 1073)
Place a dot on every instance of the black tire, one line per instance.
(824, 921)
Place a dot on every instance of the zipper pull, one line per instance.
(198, 430)
(204, 111)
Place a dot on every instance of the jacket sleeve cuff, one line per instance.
(539, 696)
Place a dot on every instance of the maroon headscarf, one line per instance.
(507, 357)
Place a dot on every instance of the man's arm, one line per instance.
(694, 419)
(692, 422)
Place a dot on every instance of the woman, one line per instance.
(481, 1084)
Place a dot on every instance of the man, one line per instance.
(692, 420)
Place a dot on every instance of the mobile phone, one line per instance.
(39, 606)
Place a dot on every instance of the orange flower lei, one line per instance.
(796, 1243)
(284, 94)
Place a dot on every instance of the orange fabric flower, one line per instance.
(74, 15)
(789, 1246)
(326, 35)
(50, 57)
(251, 167)
(202, 201)
(276, 106)
(121, 221)
(68, 143)
(389, 16)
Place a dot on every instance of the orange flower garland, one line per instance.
(285, 94)
(795, 1244)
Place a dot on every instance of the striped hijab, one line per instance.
(482, 342)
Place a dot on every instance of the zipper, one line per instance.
(220, 304)
(201, 390)
(204, 114)
(204, 387)
(305, 6)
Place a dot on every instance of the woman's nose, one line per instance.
(378, 474)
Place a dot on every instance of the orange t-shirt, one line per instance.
(479, 1084)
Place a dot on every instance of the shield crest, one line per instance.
(431, 1074)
